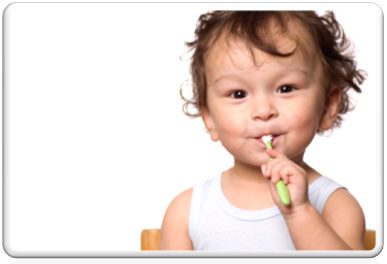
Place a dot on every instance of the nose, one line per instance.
(263, 108)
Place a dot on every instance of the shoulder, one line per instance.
(174, 229)
(180, 205)
(342, 202)
(345, 215)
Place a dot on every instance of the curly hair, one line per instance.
(253, 27)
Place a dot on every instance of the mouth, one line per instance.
(273, 140)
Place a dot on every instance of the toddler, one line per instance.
(258, 73)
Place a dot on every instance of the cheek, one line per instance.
(305, 118)
(308, 121)
(229, 124)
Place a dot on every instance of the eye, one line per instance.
(287, 88)
(238, 94)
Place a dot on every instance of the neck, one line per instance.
(247, 172)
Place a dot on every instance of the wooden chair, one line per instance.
(150, 239)
(369, 239)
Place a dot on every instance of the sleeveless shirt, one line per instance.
(216, 224)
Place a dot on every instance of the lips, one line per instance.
(274, 139)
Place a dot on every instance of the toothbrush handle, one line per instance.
(281, 187)
(283, 192)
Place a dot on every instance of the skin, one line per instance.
(254, 94)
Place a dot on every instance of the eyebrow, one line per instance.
(236, 76)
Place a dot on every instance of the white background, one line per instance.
(96, 144)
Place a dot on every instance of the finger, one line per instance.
(284, 169)
(270, 167)
(267, 167)
(274, 193)
(278, 170)
(264, 170)
(274, 153)
(287, 172)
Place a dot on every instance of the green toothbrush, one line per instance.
(281, 187)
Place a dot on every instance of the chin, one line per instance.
(257, 163)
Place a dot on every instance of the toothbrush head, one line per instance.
(267, 140)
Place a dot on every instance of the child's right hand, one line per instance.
(293, 175)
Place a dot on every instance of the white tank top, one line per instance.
(216, 224)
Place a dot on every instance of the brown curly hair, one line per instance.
(253, 27)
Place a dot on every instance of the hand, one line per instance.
(294, 176)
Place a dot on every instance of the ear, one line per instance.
(331, 110)
(210, 125)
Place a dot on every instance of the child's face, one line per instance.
(251, 96)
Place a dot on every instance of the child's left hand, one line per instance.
(294, 176)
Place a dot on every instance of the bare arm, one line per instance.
(341, 226)
(174, 230)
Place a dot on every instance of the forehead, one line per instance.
(229, 51)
